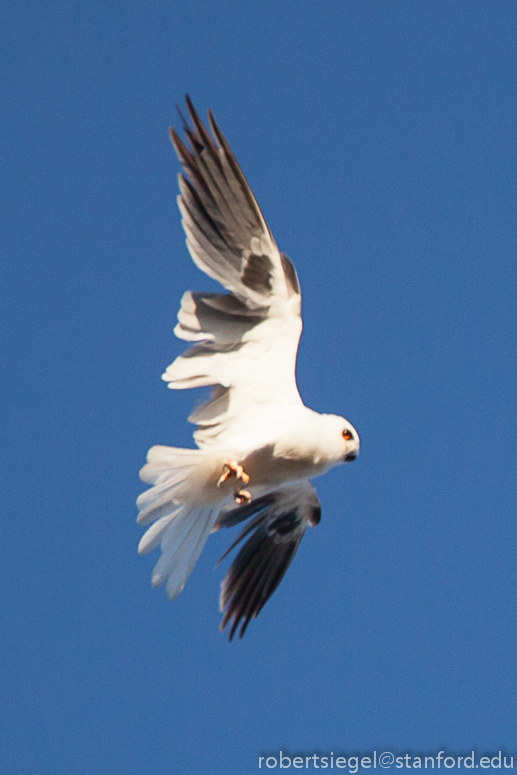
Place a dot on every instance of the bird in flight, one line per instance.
(258, 444)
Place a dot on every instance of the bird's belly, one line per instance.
(269, 470)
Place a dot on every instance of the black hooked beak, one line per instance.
(351, 456)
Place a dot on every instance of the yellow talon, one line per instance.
(242, 496)
(232, 468)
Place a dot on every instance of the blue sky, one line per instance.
(380, 140)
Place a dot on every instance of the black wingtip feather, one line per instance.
(262, 561)
(200, 133)
(182, 117)
(237, 171)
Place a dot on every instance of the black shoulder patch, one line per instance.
(285, 524)
(257, 274)
(315, 516)
(291, 277)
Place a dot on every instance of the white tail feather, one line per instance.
(183, 505)
(182, 544)
(154, 535)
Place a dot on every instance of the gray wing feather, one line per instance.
(227, 235)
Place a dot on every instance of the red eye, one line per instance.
(347, 434)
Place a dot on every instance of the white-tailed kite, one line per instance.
(258, 445)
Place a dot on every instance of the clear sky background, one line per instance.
(380, 140)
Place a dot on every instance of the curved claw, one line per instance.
(242, 496)
(233, 469)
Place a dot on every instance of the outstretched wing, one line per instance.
(227, 235)
(246, 339)
(278, 523)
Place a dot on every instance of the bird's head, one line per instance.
(351, 442)
(341, 438)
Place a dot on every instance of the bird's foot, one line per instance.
(232, 469)
(242, 497)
